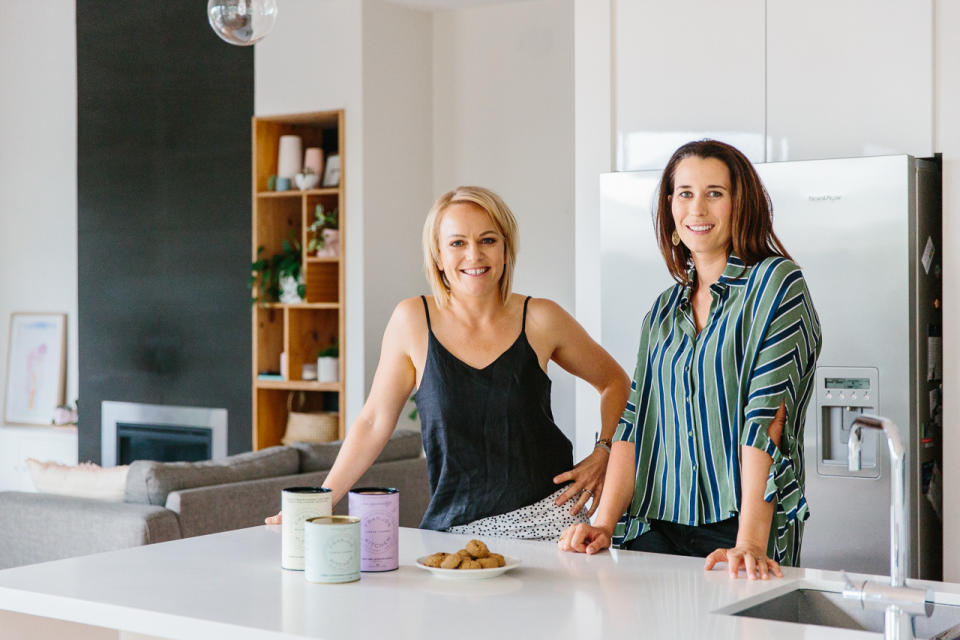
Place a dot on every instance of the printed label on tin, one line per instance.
(379, 514)
(297, 508)
(332, 550)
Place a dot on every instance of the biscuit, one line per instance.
(434, 560)
(499, 558)
(471, 564)
(477, 549)
(489, 563)
(452, 561)
(465, 554)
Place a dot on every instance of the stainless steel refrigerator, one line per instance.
(866, 232)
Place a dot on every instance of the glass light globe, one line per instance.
(242, 22)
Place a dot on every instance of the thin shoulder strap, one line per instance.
(523, 327)
(426, 310)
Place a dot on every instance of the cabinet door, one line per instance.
(41, 443)
(849, 78)
(687, 69)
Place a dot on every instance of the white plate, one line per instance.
(469, 574)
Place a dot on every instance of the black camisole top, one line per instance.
(489, 436)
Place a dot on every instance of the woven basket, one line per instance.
(310, 426)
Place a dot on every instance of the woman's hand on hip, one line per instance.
(586, 479)
(752, 558)
(584, 538)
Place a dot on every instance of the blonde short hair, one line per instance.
(502, 218)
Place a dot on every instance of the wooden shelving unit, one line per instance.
(300, 330)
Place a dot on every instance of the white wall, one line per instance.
(503, 119)
(398, 152)
(38, 168)
(313, 61)
(593, 155)
(947, 137)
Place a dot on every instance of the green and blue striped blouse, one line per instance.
(696, 398)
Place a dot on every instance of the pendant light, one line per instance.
(242, 22)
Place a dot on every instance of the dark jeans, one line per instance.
(684, 540)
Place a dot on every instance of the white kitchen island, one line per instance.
(230, 585)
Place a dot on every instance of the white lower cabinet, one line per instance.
(54, 444)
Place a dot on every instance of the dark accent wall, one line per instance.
(163, 118)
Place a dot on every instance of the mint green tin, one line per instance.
(331, 548)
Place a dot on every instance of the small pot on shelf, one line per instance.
(328, 364)
(331, 244)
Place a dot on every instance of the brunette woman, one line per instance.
(708, 457)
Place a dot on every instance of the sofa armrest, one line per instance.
(36, 527)
(235, 505)
(245, 504)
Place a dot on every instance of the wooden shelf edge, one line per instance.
(291, 193)
(298, 385)
(323, 260)
(301, 305)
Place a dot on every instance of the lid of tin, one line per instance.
(324, 520)
(306, 489)
(375, 490)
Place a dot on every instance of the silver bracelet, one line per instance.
(602, 445)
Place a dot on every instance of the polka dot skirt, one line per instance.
(542, 520)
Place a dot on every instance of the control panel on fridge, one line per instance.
(844, 394)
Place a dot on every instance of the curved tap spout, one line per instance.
(898, 483)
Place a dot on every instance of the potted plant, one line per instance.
(328, 364)
(326, 234)
(279, 278)
(306, 179)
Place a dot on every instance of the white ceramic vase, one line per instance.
(306, 181)
(328, 369)
(288, 289)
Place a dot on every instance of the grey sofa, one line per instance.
(168, 501)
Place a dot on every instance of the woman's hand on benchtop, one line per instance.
(584, 538)
(277, 519)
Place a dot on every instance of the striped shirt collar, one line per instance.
(734, 274)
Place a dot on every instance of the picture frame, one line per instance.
(331, 172)
(36, 367)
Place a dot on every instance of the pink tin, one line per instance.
(379, 511)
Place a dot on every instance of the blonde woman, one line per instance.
(477, 354)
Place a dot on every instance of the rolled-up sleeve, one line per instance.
(783, 365)
(628, 426)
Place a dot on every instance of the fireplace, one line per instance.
(134, 431)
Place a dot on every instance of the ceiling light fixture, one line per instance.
(242, 22)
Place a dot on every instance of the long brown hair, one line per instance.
(752, 237)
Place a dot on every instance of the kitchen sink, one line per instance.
(831, 609)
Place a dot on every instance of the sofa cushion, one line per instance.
(319, 457)
(84, 480)
(149, 482)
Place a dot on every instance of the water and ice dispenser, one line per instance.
(843, 394)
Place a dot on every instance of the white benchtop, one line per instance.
(230, 585)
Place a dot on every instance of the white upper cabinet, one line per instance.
(849, 78)
(687, 69)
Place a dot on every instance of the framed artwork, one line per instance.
(36, 367)
(331, 172)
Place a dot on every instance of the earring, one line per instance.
(675, 238)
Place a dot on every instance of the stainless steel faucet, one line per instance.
(898, 491)
(899, 602)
